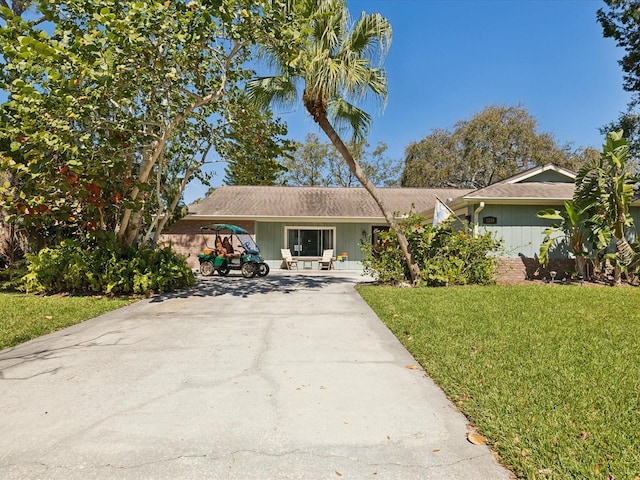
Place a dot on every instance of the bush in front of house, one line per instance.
(106, 267)
(445, 255)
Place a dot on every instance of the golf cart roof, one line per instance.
(223, 226)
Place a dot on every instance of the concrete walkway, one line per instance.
(290, 376)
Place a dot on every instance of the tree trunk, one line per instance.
(625, 257)
(355, 168)
(581, 266)
(132, 221)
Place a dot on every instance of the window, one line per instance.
(309, 241)
(375, 231)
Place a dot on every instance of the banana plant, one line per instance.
(572, 227)
(604, 190)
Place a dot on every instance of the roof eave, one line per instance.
(516, 200)
(287, 219)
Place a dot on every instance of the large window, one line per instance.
(309, 241)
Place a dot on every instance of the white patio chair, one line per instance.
(327, 260)
(288, 260)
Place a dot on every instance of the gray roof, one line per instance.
(315, 202)
(524, 191)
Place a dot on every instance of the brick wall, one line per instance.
(185, 238)
(517, 270)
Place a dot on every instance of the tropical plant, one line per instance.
(336, 63)
(571, 226)
(446, 255)
(604, 190)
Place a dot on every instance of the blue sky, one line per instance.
(449, 59)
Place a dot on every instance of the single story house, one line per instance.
(308, 220)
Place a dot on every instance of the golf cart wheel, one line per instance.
(248, 270)
(206, 268)
(263, 270)
(224, 271)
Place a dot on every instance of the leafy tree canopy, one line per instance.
(494, 144)
(116, 99)
(253, 147)
(317, 163)
(620, 20)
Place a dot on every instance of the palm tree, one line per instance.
(336, 66)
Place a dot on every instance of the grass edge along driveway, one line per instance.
(549, 374)
(24, 317)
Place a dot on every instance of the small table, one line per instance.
(308, 260)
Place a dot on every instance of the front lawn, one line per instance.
(24, 317)
(549, 374)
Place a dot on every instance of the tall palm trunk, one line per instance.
(355, 168)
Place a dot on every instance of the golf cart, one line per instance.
(234, 249)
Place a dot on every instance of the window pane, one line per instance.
(310, 240)
(309, 243)
(327, 239)
(293, 242)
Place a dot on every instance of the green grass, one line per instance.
(549, 374)
(23, 317)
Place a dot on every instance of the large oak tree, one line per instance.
(494, 144)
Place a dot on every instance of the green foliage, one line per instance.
(629, 123)
(111, 108)
(11, 277)
(445, 255)
(570, 224)
(108, 267)
(604, 191)
(337, 63)
(308, 166)
(494, 144)
(318, 163)
(599, 210)
(620, 21)
(253, 147)
(548, 374)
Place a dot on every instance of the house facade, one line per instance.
(308, 220)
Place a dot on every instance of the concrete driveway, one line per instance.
(290, 376)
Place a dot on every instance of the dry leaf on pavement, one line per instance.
(476, 438)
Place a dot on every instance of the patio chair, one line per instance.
(327, 260)
(288, 261)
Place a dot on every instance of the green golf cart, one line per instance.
(234, 249)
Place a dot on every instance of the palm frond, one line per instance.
(371, 36)
(278, 90)
(345, 116)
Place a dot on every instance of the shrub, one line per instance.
(446, 256)
(106, 267)
(11, 277)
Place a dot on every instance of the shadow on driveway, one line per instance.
(235, 284)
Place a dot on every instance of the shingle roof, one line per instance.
(313, 202)
(524, 191)
(537, 170)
